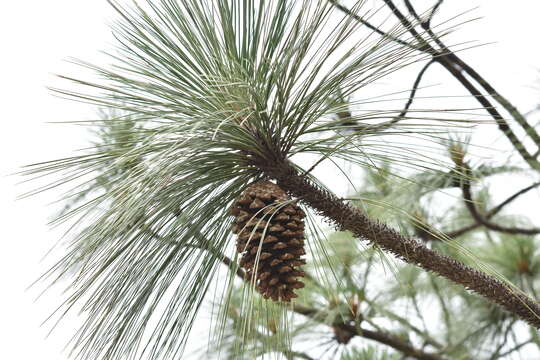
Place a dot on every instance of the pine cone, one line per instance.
(270, 240)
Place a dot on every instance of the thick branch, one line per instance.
(349, 218)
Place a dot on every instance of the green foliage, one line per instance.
(203, 87)
(198, 91)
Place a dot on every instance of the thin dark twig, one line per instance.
(409, 26)
(345, 116)
(444, 306)
(462, 231)
(233, 266)
(489, 214)
(412, 11)
(456, 66)
(511, 198)
(404, 111)
(427, 23)
(470, 204)
(361, 20)
(415, 88)
(509, 328)
(515, 348)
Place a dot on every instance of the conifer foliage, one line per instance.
(222, 115)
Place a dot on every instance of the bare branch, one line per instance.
(347, 116)
(398, 344)
(361, 20)
(494, 211)
(415, 88)
(427, 23)
(412, 11)
(410, 27)
(470, 204)
(511, 198)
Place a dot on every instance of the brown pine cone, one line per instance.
(270, 240)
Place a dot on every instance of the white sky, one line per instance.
(37, 38)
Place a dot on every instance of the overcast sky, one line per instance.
(37, 38)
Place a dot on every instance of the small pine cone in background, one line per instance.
(270, 240)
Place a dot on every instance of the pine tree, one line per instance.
(219, 118)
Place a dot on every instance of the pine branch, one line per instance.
(403, 321)
(427, 23)
(400, 345)
(204, 93)
(349, 218)
(319, 315)
(415, 89)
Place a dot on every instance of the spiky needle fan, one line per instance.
(219, 90)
